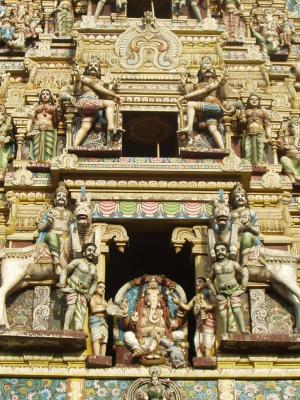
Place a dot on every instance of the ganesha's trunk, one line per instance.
(153, 316)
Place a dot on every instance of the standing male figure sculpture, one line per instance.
(202, 305)
(245, 224)
(88, 88)
(228, 290)
(54, 227)
(209, 93)
(79, 281)
(97, 320)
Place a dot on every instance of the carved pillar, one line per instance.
(69, 121)
(197, 237)
(20, 122)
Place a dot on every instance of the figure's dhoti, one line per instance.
(98, 328)
(88, 106)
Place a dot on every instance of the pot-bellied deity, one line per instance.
(54, 228)
(208, 95)
(203, 306)
(147, 314)
(42, 128)
(6, 140)
(228, 290)
(257, 130)
(88, 88)
(78, 281)
(289, 142)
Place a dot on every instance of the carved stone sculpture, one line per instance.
(54, 228)
(245, 223)
(194, 6)
(266, 31)
(202, 305)
(20, 23)
(6, 140)
(78, 281)
(293, 83)
(294, 7)
(289, 142)
(97, 320)
(88, 88)
(82, 230)
(220, 228)
(153, 388)
(20, 268)
(232, 18)
(228, 290)
(278, 267)
(257, 130)
(287, 32)
(209, 93)
(42, 128)
(64, 18)
(149, 318)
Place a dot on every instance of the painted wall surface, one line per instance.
(94, 389)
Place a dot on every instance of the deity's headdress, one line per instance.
(238, 189)
(62, 188)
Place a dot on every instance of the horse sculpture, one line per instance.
(276, 267)
(21, 267)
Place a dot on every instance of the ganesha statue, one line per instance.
(146, 316)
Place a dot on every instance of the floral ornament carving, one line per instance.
(65, 161)
(271, 180)
(22, 177)
(148, 46)
(232, 162)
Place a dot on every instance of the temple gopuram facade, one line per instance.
(149, 199)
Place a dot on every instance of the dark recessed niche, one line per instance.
(137, 8)
(150, 134)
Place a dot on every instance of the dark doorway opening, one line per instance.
(152, 253)
(150, 134)
(137, 8)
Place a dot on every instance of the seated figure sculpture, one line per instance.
(146, 314)
(209, 93)
(88, 88)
